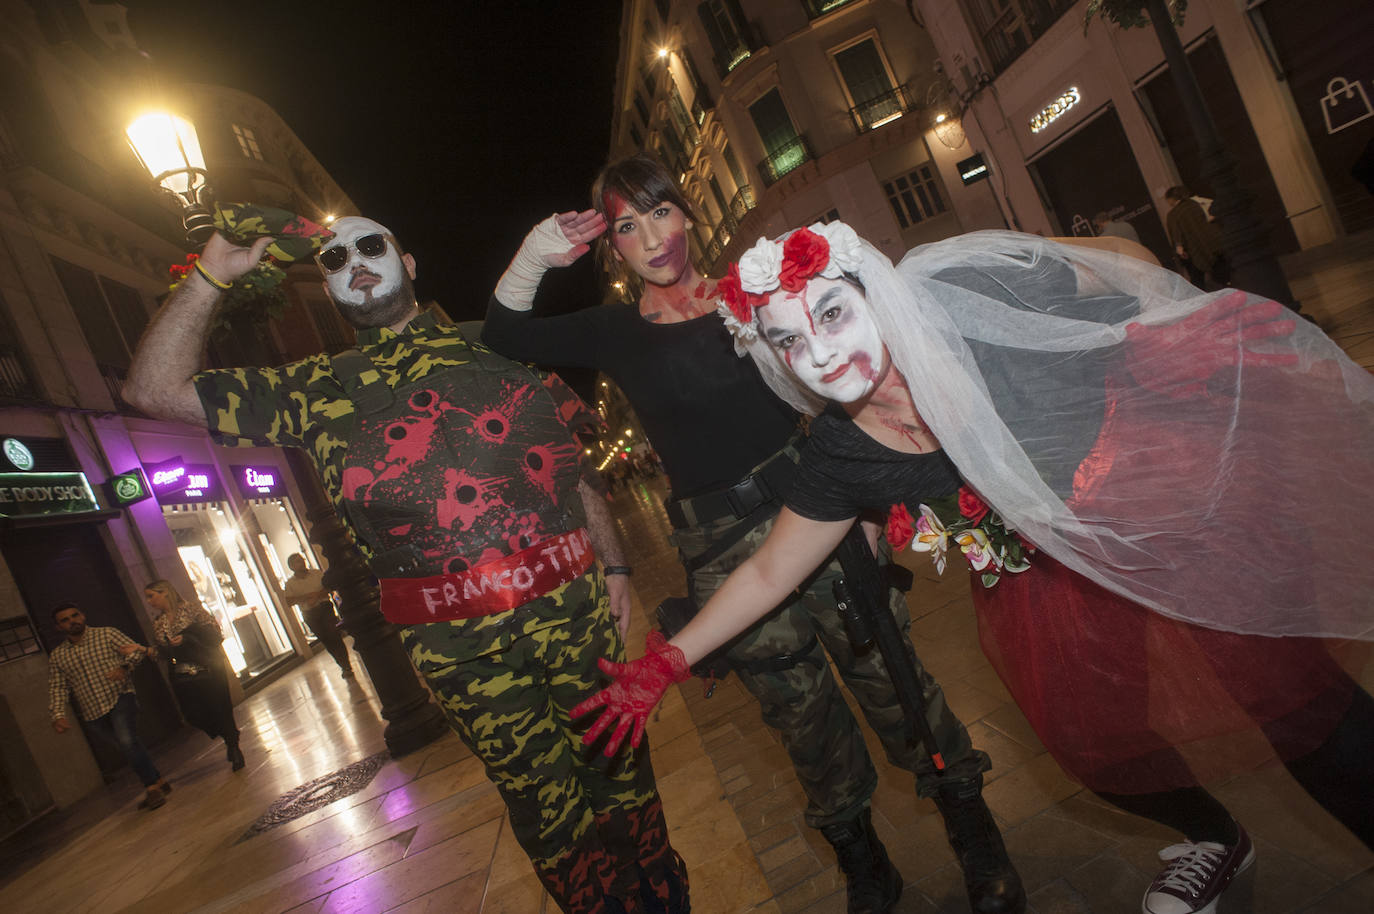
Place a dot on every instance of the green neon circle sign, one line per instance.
(17, 454)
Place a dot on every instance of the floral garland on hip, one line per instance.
(824, 249)
(987, 543)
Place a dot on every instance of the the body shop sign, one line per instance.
(186, 483)
(41, 494)
(258, 481)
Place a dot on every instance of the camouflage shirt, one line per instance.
(305, 404)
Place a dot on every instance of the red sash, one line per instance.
(497, 586)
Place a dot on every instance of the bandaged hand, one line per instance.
(555, 242)
(1178, 359)
(638, 686)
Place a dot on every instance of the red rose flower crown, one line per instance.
(829, 250)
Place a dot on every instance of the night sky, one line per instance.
(458, 125)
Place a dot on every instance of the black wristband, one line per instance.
(616, 569)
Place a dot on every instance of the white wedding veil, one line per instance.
(1243, 503)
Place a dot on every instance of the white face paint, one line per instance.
(826, 334)
(369, 291)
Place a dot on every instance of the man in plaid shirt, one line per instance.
(93, 667)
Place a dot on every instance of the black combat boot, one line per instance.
(872, 883)
(992, 883)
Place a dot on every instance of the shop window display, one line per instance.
(281, 534)
(229, 584)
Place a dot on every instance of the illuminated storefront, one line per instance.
(279, 531)
(217, 551)
(234, 526)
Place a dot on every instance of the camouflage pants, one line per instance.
(593, 827)
(803, 702)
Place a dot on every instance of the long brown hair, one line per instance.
(643, 183)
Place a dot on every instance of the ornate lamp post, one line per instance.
(167, 147)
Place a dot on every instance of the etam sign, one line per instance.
(258, 481)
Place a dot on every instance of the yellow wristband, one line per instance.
(210, 279)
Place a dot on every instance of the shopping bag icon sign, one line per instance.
(1345, 104)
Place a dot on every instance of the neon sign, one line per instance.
(162, 479)
(45, 494)
(18, 454)
(1055, 110)
(187, 482)
(973, 169)
(258, 481)
(129, 487)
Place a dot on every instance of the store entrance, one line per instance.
(1093, 170)
(227, 582)
(280, 534)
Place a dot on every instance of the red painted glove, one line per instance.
(1177, 359)
(638, 686)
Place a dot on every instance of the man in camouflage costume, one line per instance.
(458, 474)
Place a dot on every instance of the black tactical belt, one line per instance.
(765, 485)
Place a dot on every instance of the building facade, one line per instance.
(86, 241)
(922, 119)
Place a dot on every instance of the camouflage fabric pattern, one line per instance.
(296, 237)
(591, 826)
(462, 468)
(803, 701)
(304, 405)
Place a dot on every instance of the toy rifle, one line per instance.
(862, 598)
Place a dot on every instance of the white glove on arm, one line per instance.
(544, 247)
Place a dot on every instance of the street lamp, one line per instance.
(166, 145)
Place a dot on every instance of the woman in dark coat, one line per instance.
(190, 638)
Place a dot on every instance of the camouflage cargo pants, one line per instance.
(802, 700)
(593, 827)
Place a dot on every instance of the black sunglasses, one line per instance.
(334, 259)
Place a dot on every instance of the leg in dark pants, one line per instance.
(325, 626)
(1336, 774)
(120, 727)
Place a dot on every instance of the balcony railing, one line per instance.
(815, 9)
(701, 103)
(684, 122)
(784, 159)
(15, 383)
(742, 202)
(873, 113)
(733, 57)
(115, 377)
(1016, 27)
(720, 238)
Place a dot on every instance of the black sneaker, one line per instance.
(1196, 876)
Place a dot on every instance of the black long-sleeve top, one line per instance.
(706, 411)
